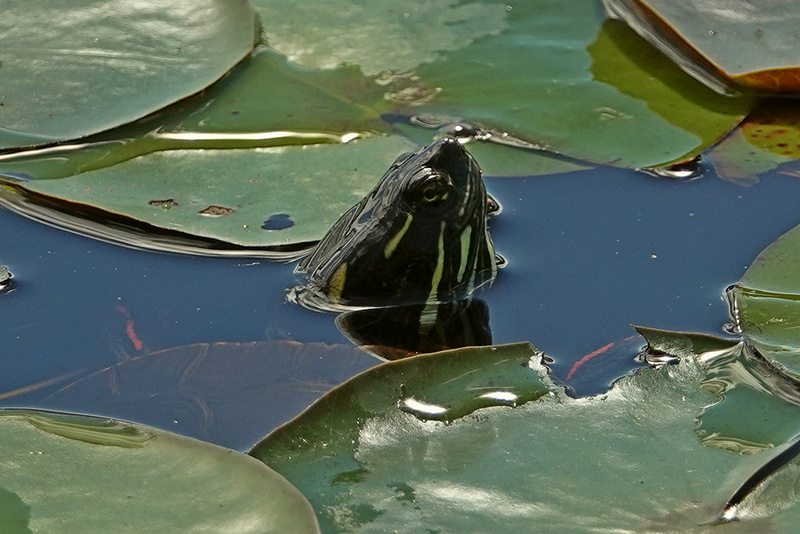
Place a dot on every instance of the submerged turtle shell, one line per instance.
(419, 237)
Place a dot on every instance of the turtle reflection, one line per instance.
(405, 261)
(392, 333)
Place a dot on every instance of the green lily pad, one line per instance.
(757, 407)
(582, 89)
(563, 79)
(72, 68)
(71, 473)
(379, 37)
(368, 464)
(750, 44)
(312, 107)
(559, 77)
(229, 195)
(765, 302)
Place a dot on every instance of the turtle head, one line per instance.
(419, 236)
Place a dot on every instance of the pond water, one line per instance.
(589, 253)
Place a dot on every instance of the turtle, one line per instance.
(419, 237)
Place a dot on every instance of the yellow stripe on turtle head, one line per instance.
(391, 245)
(336, 282)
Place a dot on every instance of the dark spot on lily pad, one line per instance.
(279, 221)
(216, 211)
(350, 477)
(403, 492)
(167, 203)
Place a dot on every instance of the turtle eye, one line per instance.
(432, 192)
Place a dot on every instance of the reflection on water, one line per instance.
(392, 333)
(405, 261)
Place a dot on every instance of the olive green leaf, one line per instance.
(71, 473)
(72, 68)
(372, 454)
(230, 195)
(768, 137)
(564, 86)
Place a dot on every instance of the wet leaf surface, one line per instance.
(61, 81)
(71, 473)
(228, 194)
(366, 463)
(765, 303)
(757, 405)
(329, 86)
(264, 101)
(482, 432)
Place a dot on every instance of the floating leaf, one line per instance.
(70, 473)
(555, 67)
(768, 137)
(501, 160)
(380, 37)
(368, 464)
(765, 302)
(310, 107)
(735, 159)
(72, 68)
(750, 44)
(561, 79)
(227, 195)
(758, 406)
(188, 389)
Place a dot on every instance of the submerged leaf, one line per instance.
(627, 460)
(188, 388)
(72, 68)
(71, 473)
(768, 137)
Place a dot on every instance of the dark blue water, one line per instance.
(592, 252)
(589, 253)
